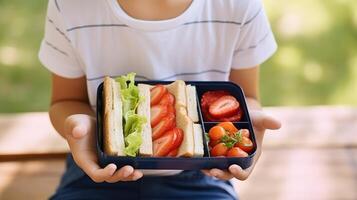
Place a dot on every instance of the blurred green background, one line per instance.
(316, 63)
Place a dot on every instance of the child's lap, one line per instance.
(186, 185)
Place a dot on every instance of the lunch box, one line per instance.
(183, 163)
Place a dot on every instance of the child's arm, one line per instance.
(72, 116)
(248, 79)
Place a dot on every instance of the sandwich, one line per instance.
(150, 120)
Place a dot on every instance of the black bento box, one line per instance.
(183, 163)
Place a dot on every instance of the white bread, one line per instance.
(113, 139)
(185, 123)
(191, 101)
(178, 89)
(198, 138)
(144, 110)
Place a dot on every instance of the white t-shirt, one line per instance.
(97, 38)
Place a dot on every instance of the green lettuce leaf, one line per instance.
(132, 123)
(133, 128)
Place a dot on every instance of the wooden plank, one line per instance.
(29, 180)
(32, 157)
(318, 126)
(295, 174)
(29, 134)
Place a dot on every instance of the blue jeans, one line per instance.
(185, 185)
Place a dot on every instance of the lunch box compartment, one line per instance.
(239, 125)
(232, 88)
(193, 163)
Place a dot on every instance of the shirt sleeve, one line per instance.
(256, 42)
(56, 52)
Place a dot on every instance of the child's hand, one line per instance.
(79, 132)
(261, 122)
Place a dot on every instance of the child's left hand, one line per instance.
(261, 122)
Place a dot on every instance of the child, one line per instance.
(212, 40)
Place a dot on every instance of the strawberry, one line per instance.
(164, 125)
(178, 137)
(173, 153)
(225, 106)
(167, 99)
(156, 94)
(157, 112)
(163, 145)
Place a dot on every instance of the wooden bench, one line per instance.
(314, 156)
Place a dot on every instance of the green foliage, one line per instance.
(316, 62)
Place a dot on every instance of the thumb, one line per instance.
(264, 121)
(77, 126)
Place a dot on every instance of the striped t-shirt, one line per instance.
(97, 38)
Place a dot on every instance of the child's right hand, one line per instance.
(79, 132)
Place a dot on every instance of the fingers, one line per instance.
(126, 173)
(238, 172)
(263, 121)
(217, 173)
(98, 174)
(110, 174)
(233, 171)
(270, 122)
(206, 172)
(77, 126)
(135, 176)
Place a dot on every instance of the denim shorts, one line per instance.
(185, 185)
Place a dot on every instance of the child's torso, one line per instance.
(198, 44)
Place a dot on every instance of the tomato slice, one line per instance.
(225, 106)
(245, 144)
(164, 125)
(156, 94)
(219, 149)
(173, 153)
(157, 112)
(167, 99)
(228, 126)
(163, 145)
(236, 152)
(216, 133)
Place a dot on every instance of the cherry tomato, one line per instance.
(213, 143)
(219, 150)
(236, 152)
(245, 144)
(216, 133)
(228, 126)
